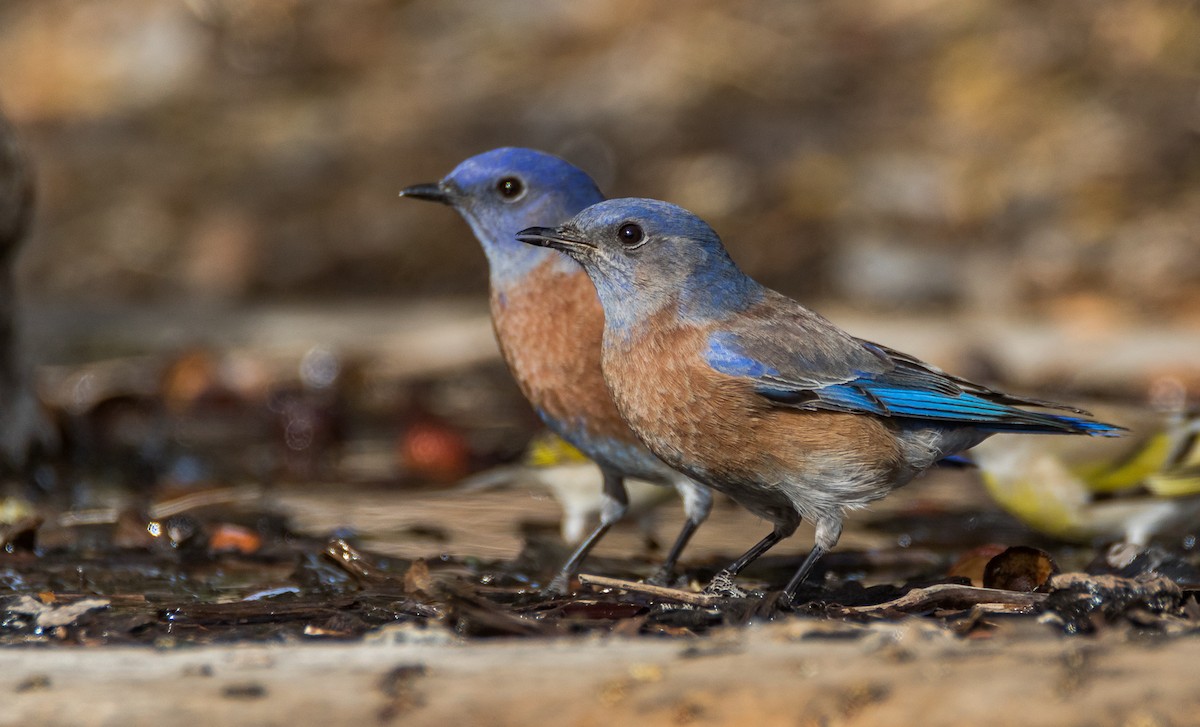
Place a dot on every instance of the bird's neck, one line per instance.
(510, 261)
(621, 321)
(715, 296)
(629, 302)
(625, 302)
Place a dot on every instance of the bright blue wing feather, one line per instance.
(726, 356)
(905, 387)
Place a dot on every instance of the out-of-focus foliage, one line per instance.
(992, 153)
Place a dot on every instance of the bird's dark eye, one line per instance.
(630, 234)
(510, 188)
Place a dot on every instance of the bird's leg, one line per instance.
(789, 592)
(697, 502)
(662, 575)
(722, 582)
(616, 503)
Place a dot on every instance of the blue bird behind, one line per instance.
(549, 324)
(755, 395)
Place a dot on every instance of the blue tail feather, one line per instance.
(1063, 425)
(962, 407)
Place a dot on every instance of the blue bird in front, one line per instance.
(756, 396)
(549, 323)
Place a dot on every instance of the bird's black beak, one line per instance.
(554, 237)
(431, 192)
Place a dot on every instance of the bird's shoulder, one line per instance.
(780, 339)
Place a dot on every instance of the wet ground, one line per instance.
(232, 565)
(243, 526)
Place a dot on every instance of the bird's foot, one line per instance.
(661, 577)
(560, 586)
(773, 604)
(722, 585)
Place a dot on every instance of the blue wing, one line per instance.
(802, 361)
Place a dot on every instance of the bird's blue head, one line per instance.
(506, 190)
(643, 254)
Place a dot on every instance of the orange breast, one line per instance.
(550, 329)
(694, 417)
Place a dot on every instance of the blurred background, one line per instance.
(1030, 156)
(1008, 189)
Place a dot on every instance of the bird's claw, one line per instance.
(722, 585)
(660, 577)
(560, 586)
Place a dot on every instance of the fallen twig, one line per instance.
(349, 559)
(674, 594)
(218, 496)
(953, 595)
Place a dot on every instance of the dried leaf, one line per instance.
(51, 616)
(227, 537)
(417, 579)
(1019, 568)
(972, 563)
(434, 451)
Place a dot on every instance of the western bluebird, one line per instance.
(758, 397)
(549, 322)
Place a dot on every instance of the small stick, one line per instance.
(953, 595)
(219, 496)
(674, 594)
(347, 557)
(166, 508)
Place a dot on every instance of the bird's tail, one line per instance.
(1041, 423)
